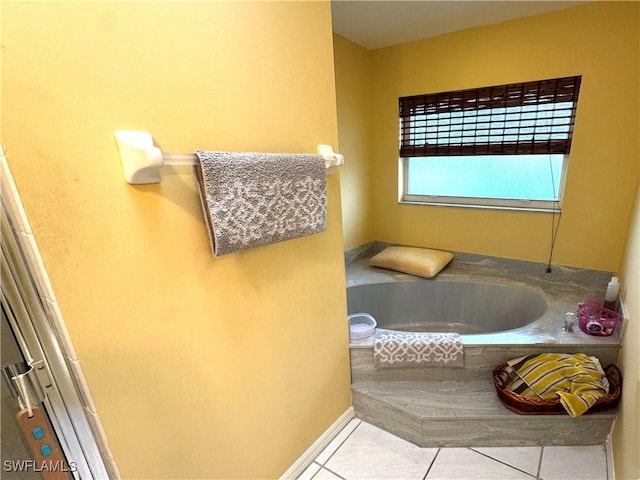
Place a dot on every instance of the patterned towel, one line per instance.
(417, 349)
(254, 199)
(577, 379)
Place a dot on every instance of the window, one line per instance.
(504, 146)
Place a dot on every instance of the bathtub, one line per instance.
(488, 300)
(454, 306)
(502, 308)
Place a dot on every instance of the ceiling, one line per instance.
(383, 23)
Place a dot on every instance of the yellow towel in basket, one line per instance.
(577, 379)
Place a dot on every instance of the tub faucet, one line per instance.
(569, 321)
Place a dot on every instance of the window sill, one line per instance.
(485, 204)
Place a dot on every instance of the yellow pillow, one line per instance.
(423, 262)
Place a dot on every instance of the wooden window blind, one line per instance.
(514, 119)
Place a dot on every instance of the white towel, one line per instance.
(254, 199)
(417, 349)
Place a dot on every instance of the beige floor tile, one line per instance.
(523, 458)
(463, 463)
(325, 474)
(371, 453)
(574, 463)
(337, 441)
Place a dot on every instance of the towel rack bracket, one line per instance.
(331, 158)
(141, 159)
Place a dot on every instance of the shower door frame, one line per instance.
(42, 337)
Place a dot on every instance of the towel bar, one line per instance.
(141, 159)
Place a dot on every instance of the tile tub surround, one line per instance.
(468, 414)
(458, 407)
(479, 362)
(362, 251)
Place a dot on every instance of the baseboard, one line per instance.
(608, 451)
(318, 446)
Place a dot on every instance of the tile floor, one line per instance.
(363, 451)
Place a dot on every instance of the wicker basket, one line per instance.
(537, 406)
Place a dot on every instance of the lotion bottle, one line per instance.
(611, 296)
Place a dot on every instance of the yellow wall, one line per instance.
(599, 41)
(626, 434)
(199, 367)
(353, 93)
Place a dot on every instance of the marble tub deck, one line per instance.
(458, 407)
(562, 289)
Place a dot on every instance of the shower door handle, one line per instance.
(48, 458)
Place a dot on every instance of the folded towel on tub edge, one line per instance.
(393, 349)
